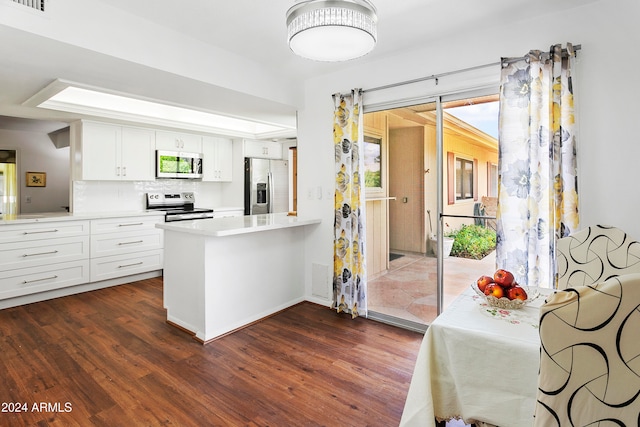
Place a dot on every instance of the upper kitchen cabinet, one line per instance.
(177, 141)
(217, 159)
(262, 149)
(108, 152)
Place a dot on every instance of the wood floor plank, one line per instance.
(112, 357)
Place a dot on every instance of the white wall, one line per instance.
(36, 153)
(609, 145)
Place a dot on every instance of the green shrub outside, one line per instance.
(372, 179)
(473, 241)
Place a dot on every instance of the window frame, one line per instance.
(374, 192)
(452, 186)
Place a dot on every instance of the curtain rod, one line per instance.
(448, 73)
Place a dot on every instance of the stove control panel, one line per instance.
(159, 200)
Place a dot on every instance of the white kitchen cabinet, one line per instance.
(42, 231)
(125, 246)
(262, 149)
(108, 152)
(17, 283)
(39, 252)
(178, 141)
(218, 159)
(42, 257)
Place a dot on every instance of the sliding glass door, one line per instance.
(425, 153)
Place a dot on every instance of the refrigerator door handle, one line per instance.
(271, 192)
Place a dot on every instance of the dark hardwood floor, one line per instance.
(109, 358)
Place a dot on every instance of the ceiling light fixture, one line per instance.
(332, 30)
(62, 95)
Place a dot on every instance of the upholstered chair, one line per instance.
(590, 355)
(595, 254)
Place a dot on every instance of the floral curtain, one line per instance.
(538, 193)
(349, 276)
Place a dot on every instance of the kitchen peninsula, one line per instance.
(224, 273)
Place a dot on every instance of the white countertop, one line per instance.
(228, 208)
(218, 227)
(66, 216)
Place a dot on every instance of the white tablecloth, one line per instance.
(477, 363)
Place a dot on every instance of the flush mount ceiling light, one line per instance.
(332, 30)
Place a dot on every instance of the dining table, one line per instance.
(478, 363)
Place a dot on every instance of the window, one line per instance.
(492, 181)
(374, 163)
(372, 157)
(464, 179)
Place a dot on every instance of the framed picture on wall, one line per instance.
(36, 179)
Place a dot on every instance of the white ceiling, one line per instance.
(256, 28)
(253, 29)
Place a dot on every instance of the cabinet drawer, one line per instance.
(112, 225)
(125, 243)
(42, 231)
(43, 252)
(123, 265)
(38, 279)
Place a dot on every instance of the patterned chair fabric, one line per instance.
(590, 355)
(595, 254)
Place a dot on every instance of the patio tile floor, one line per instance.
(408, 289)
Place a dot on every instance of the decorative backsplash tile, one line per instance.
(123, 196)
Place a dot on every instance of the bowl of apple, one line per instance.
(501, 290)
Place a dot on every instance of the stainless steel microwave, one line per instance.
(178, 164)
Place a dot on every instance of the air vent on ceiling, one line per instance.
(34, 4)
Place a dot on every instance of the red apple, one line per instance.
(483, 281)
(517, 292)
(494, 290)
(503, 277)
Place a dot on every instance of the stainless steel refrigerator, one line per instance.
(266, 186)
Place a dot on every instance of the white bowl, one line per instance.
(505, 302)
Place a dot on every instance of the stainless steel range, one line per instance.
(177, 206)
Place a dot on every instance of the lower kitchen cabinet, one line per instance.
(34, 253)
(41, 257)
(15, 283)
(125, 246)
(113, 266)
(48, 257)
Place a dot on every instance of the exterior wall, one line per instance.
(406, 170)
(470, 149)
(377, 207)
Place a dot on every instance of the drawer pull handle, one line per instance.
(40, 253)
(131, 243)
(130, 224)
(40, 232)
(130, 265)
(26, 282)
